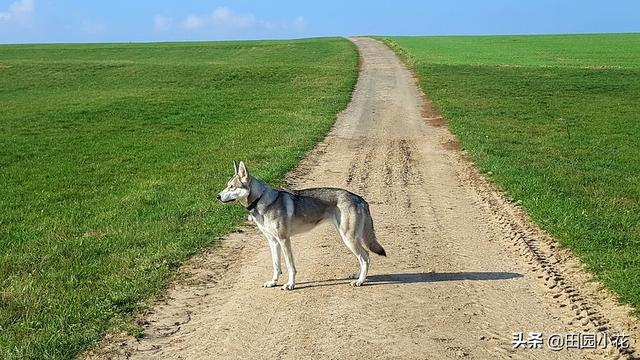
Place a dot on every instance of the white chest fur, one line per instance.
(266, 227)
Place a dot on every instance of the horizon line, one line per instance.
(309, 38)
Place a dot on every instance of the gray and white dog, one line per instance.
(281, 214)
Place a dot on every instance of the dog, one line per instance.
(281, 214)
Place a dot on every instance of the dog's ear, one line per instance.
(235, 168)
(242, 171)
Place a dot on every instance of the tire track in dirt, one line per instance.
(543, 257)
(465, 270)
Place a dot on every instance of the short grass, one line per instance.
(110, 157)
(555, 120)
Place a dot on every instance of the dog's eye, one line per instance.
(231, 187)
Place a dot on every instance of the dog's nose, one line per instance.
(218, 197)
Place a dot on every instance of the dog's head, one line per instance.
(238, 187)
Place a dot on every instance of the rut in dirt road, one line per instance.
(465, 269)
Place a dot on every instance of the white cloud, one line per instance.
(225, 20)
(194, 22)
(19, 10)
(221, 19)
(161, 23)
(93, 27)
(299, 23)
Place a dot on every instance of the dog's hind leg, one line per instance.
(349, 231)
(291, 267)
(274, 245)
(357, 251)
(363, 259)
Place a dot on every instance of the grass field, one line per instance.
(111, 155)
(555, 121)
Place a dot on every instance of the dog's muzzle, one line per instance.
(220, 198)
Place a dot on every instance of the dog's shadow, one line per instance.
(412, 278)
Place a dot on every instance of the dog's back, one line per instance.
(349, 212)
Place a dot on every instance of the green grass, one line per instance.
(555, 121)
(111, 155)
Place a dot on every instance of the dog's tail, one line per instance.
(369, 235)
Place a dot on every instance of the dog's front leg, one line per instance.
(291, 267)
(274, 245)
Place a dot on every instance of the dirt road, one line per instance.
(465, 269)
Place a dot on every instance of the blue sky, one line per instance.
(162, 20)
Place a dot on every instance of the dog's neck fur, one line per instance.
(258, 189)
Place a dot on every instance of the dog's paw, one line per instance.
(356, 283)
(355, 275)
(269, 284)
(288, 286)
